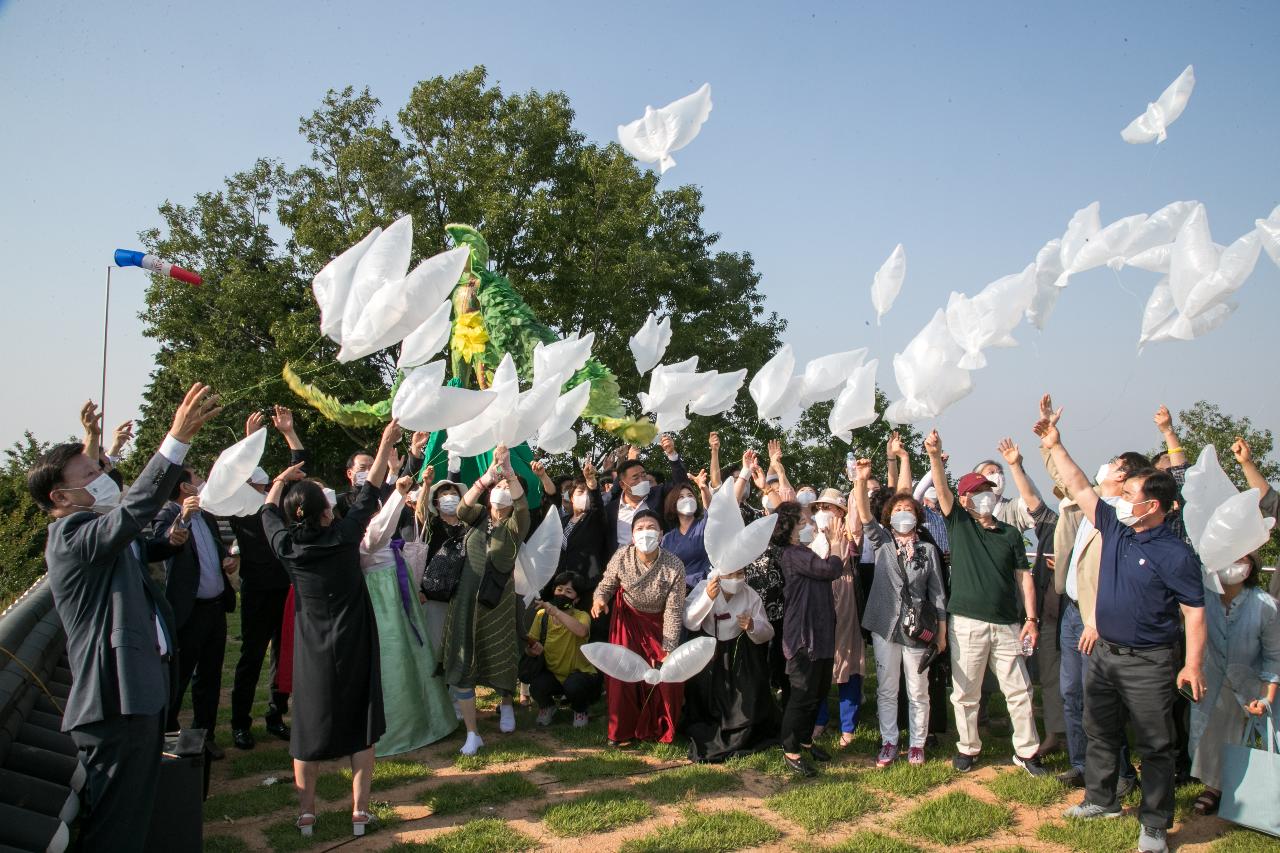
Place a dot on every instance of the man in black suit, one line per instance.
(633, 490)
(201, 596)
(264, 588)
(120, 629)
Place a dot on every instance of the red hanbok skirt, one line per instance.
(284, 669)
(639, 711)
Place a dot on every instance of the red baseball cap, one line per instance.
(971, 483)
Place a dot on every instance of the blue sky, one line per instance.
(969, 132)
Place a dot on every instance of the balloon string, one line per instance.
(235, 396)
(1133, 366)
(1120, 284)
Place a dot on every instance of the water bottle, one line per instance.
(1028, 646)
(849, 465)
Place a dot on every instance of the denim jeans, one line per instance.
(1071, 682)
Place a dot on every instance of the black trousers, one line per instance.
(261, 616)
(778, 679)
(810, 683)
(1140, 682)
(202, 641)
(580, 689)
(121, 756)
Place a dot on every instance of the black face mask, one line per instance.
(563, 603)
(117, 477)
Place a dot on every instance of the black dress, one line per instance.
(337, 683)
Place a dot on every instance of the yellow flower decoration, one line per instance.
(469, 335)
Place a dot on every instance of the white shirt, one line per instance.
(718, 617)
(1083, 532)
(175, 453)
(625, 514)
(375, 547)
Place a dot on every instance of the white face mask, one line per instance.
(767, 502)
(805, 498)
(1124, 513)
(1235, 573)
(903, 522)
(984, 503)
(641, 489)
(731, 585)
(806, 534)
(1103, 472)
(105, 494)
(361, 477)
(330, 496)
(449, 504)
(581, 501)
(646, 540)
(501, 498)
(997, 480)
(822, 518)
(686, 506)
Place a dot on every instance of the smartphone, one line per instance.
(1185, 690)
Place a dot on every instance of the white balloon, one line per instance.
(856, 405)
(720, 394)
(1269, 231)
(332, 285)
(687, 660)
(423, 404)
(538, 558)
(1154, 123)
(1155, 259)
(670, 420)
(227, 491)
(426, 340)
(887, 283)
(533, 408)
(1235, 265)
(1084, 223)
(652, 138)
(730, 544)
(670, 390)
(1236, 528)
(1160, 229)
(650, 343)
(561, 359)
(1107, 247)
(928, 374)
(483, 432)
(618, 662)
(773, 387)
(555, 434)
(1157, 315)
(1048, 268)
(987, 319)
(1204, 489)
(825, 376)
(385, 263)
(396, 310)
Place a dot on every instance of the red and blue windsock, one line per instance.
(130, 258)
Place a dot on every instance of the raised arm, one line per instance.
(382, 529)
(743, 481)
(1074, 480)
(776, 466)
(714, 441)
(1164, 423)
(282, 420)
(1013, 458)
(861, 471)
(1244, 455)
(933, 446)
(91, 421)
(704, 491)
(386, 448)
(902, 482)
(123, 435)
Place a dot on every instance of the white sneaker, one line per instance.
(580, 720)
(473, 744)
(506, 719)
(545, 716)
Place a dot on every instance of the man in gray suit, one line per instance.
(120, 633)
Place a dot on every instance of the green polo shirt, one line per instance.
(984, 568)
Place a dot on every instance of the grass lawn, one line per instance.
(502, 749)
(330, 826)
(955, 818)
(706, 832)
(1020, 787)
(672, 786)
(453, 797)
(597, 812)
(863, 841)
(819, 805)
(908, 780)
(479, 836)
(574, 771)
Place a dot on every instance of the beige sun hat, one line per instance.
(831, 498)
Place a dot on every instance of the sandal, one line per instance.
(360, 821)
(305, 823)
(1207, 803)
(846, 739)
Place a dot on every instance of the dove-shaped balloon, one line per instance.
(400, 307)
(1048, 268)
(824, 377)
(652, 138)
(720, 393)
(424, 404)
(887, 283)
(1236, 528)
(538, 557)
(385, 263)
(227, 491)
(650, 343)
(928, 374)
(856, 405)
(425, 341)
(681, 664)
(561, 359)
(484, 432)
(1269, 231)
(332, 285)
(730, 544)
(987, 319)
(773, 387)
(1200, 275)
(1205, 488)
(1158, 312)
(1107, 245)
(556, 434)
(1153, 124)
(1160, 230)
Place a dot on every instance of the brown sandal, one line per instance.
(1207, 803)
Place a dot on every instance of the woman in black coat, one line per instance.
(337, 684)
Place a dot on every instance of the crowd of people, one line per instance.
(386, 605)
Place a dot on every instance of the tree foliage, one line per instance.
(588, 239)
(22, 523)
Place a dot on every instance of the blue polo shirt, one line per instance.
(1142, 579)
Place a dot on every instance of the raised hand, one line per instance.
(668, 444)
(537, 467)
(282, 419)
(714, 441)
(90, 418)
(253, 423)
(292, 474)
(1163, 420)
(1048, 431)
(1010, 452)
(700, 479)
(404, 485)
(123, 435)
(589, 474)
(862, 470)
(1241, 451)
(633, 452)
(895, 448)
(391, 433)
(418, 443)
(775, 452)
(1047, 412)
(748, 460)
(197, 408)
(933, 443)
(428, 477)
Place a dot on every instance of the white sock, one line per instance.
(473, 744)
(506, 718)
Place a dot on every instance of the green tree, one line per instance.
(587, 238)
(22, 523)
(815, 457)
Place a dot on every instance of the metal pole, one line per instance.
(106, 317)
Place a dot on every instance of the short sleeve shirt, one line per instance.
(984, 568)
(1143, 578)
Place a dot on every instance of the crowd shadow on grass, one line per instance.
(388, 773)
(449, 798)
(600, 811)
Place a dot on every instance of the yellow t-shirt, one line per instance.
(562, 649)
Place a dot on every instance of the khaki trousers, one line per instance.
(975, 647)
